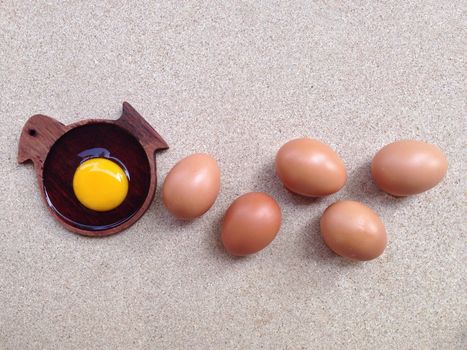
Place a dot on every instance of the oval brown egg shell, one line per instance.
(353, 230)
(191, 186)
(310, 168)
(408, 167)
(250, 223)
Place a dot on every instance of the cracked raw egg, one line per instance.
(100, 184)
(97, 176)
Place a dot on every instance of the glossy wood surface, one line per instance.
(56, 151)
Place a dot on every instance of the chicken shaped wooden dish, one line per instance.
(97, 177)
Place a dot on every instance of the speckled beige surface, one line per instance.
(238, 79)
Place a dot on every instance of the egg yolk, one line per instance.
(100, 184)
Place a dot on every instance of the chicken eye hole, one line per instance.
(32, 132)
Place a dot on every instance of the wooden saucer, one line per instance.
(57, 150)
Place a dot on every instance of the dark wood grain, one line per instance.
(57, 150)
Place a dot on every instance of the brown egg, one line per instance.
(408, 167)
(310, 168)
(353, 230)
(191, 186)
(250, 224)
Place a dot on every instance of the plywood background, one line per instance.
(237, 79)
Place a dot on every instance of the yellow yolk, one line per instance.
(100, 184)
